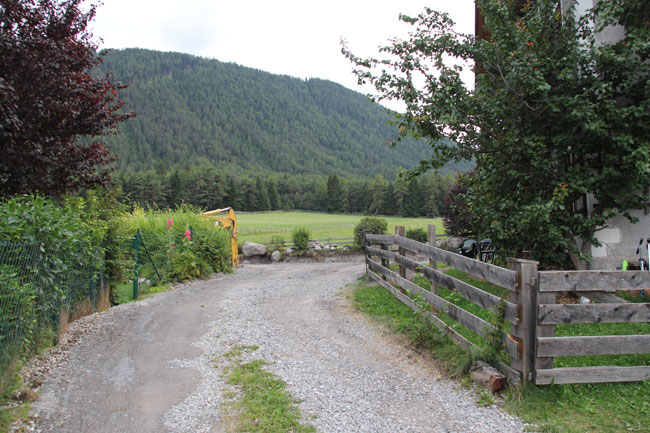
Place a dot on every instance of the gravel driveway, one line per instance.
(156, 365)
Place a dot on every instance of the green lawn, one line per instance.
(262, 227)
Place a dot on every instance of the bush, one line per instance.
(420, 235)
(457, 217)
(300, 238)
(178, 257)
(373, 225)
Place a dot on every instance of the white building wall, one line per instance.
(620, 239)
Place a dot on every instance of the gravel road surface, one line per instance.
(157, 365)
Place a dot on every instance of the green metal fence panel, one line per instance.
(32, 296)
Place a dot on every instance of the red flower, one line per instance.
(188, 234)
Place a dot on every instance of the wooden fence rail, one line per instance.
(531, 310)
(600, 286)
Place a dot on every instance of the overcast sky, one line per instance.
(293, 37)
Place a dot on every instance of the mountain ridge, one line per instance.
(192, 110)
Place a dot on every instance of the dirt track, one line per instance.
(149, 366)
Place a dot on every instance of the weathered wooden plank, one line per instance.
(473, 294)
(399, 232)
(593, 313)
(488, 272)
(380, 239)
(465, 318)
(592, 375)
(384, 254)
(433, 264)
(442, 326)
(587, 281)
(514, 376)
(593, 345)
(542, 330)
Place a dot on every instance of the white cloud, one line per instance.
(292, 37)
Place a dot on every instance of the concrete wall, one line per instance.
(620, 241)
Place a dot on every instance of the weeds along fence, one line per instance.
(39, 295)
(517, 313)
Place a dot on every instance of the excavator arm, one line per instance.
(226, 218)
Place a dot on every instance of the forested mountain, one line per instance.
(201, 112)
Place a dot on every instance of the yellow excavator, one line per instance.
(226, 218)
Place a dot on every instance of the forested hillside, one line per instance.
(195, 111)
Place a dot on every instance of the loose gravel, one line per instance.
(347, 374)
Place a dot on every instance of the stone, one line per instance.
(453, 242)
(288, 250)
(251, 249)
(276, 256)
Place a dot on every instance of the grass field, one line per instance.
(263, 227)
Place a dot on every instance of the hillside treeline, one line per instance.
(210, 188)
(214, 113)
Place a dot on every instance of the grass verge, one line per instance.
(12, 411)
(262, 404)
(609, 407)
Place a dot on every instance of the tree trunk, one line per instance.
(578, 263)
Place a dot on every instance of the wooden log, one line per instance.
(486, 271)
(587, 281)
(594, 313)
(592, 375)
(593, 345)
(487, 376)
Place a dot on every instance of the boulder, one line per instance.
(288, 250)
(276, 256)
(251, 249)
(453, 242)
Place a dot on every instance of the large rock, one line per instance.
(453, 242)
(276, 256)
(251, 249)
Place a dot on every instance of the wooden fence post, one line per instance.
(525, 296)
(384, 262)
(433, 264)
(401, 231)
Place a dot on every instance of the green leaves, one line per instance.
(552, 105)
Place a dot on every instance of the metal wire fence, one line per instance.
(38, 298)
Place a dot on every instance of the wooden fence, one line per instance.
(530, 309)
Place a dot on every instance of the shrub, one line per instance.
(456, 219)
(178, 257)
(371, 225)
(300, 238)
(419, 234)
